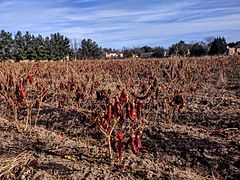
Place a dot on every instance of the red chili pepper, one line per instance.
(120, 137)
(104, 122)
(121, 169)
(132, 83)
(30, 79)
(22, 95)
(118, 109)
(8, 105)
(138, 140)
(109, 113)
(133, 113)
(10, 81)
(61, 134)
(61, 86)
(139, 143)
(20, 92)
(133, 145)
(139, 109)
(123, 97)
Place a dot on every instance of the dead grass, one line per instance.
(202, 142)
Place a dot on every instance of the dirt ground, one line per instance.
(203, 142)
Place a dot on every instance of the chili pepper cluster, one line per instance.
(128, 130)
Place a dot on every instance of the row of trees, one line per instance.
(211, 46)
(157, 52)
(27, 46)
(57, 46)
(53, 47)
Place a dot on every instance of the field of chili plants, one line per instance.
(121, 119)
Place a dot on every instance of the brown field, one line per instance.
(63, 120)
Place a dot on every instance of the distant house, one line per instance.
(234, 50)
(165, 54)
(24, 61)
(66, 58)
(10, 61)
(135, 56)
(43, 61)
(146, 55)
(114, 55)
(237, 49)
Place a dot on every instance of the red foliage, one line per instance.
(30, 79)
(120, 137)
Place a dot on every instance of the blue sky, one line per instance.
(125, 23)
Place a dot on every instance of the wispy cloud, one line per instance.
(85, 1)
(124, 23)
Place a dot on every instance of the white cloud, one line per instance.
(85, 1)
(120, 25)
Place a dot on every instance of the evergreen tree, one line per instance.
(218, 46)
(90, 50)
(40, 48)
(18, 52)
(60, 46)
(6, 45)
(29, 46)
(197, 50)
(146, 49)
(48, 49)
(158, 52)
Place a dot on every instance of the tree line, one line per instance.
(211, 46)
(54, 47)
(58, 47)
(27, 46)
